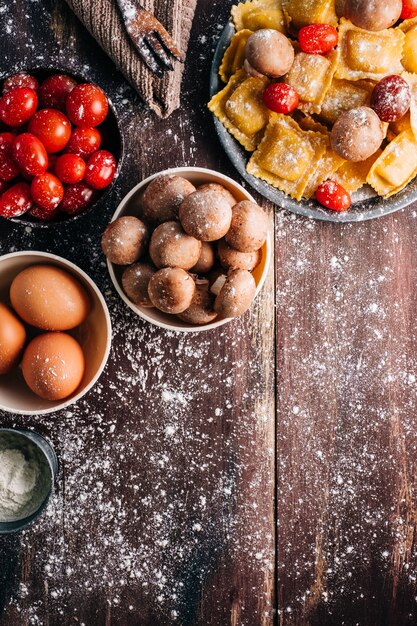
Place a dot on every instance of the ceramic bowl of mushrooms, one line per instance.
(188, 249)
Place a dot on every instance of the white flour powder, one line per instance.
(18, 479)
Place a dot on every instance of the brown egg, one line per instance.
(357, 134)
(162, 198)
(206, 214)
(206, 259)
(269, 52)
(50, 298)
(125, 240)
(135, 281)
(53, 365)
(201, 309)
(171, 290)
(236, 295)
(232, 259)
(12, 339)
(170, 246)
(249, 227)
(373, 14)
(215, 187)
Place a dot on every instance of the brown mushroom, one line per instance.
(249, 227)
(232, 259)
(236, 295)
(125, 240)
(171, 290)
(357, 134)
(201, 309)
(170, 246)
(269, 52)
(206, 214)
(162, 197)
(135, 281)
(373, 14)
(206, 259)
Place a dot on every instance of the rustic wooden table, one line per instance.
(261, 473)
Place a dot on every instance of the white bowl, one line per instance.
(94, 335)
(130, 206)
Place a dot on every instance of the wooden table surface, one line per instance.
(261, 473)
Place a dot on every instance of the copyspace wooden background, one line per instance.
(260, 473)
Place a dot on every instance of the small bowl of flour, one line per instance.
(28, 467)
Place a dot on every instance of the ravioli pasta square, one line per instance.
(352, 175)
(234, 57)
(311, 76)
(369, 55)
(326, 166)
(258, 14)
(287, 155)
(301, 13)
(240, 108)
(396, 166)
(412, 83)
(344, 95)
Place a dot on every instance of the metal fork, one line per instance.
(153, 43)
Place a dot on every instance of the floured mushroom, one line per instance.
(249, 227)
(236, 295)
(162, 197)
(232, 259)
(215, 187)
(135, 281)
(269, 52)
(206, 214)
(125, 240)
(170, 246)
(373, 14)
(206, 260)
(201, 310)
(357, 134)
(171, 290)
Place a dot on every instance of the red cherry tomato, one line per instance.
(280, 97)
(409, 9)
(76, 199)
(52, 128)
(20, 80)
(18, 105)
(318, 38)
(54, 90)
(8, 168)
(333, 196)
(43, 215)
(16, 200)
(100, 170)
(391, 98)
(30, 154)
(47, 191)
(87, 105)
(84, 142)
(70, 168)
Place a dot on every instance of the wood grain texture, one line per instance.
(164, 504)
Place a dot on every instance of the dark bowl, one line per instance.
(111, 130)
(363, 207)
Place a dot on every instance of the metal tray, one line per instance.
(365, 206)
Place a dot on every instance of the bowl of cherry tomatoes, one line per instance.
(61, 147)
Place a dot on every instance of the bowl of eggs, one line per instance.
(55, 333)
(188, 249)
(61, 146)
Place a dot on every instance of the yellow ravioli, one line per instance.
(396, 166)
(240, 108)
(344, 95)
(301, 13)
(311, 76)
(352, 176)
(287, 155)
(234, 57)
(369, 55)
(258, 14)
